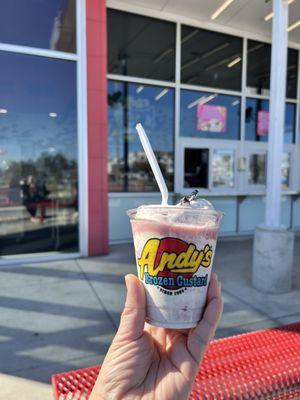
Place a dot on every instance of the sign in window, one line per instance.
(223, 168)
(209, 115)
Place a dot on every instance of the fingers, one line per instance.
(214, 288)
(134, 313)
(200, 336)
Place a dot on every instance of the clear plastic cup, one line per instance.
(174, 248)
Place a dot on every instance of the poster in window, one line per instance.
(262, 123)
(211, 118)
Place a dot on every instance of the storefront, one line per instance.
(53, 129)
(70, 161)
(203, 97)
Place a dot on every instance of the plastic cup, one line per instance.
(174, 248)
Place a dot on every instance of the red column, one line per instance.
(97, 126)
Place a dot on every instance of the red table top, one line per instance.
(257, 365)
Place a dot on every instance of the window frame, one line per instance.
(266, 94)
(196, 143)
(81, 99)
(221, 32)
(266, 98)
(148, 82)
(139, 14)
(259, 149)
(80, 15)
(201, 89)
(262, 148)
(240, 145)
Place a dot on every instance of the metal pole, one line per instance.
(277, 110)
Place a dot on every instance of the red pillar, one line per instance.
(97, 126)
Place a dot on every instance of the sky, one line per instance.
(31, 87)
(34, 21)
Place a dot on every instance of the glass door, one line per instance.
(38, 155)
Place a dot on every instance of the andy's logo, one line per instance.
(169, 257)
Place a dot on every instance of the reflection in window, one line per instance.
(38, 155)
(257, 121)
(257, 169)
(129, 103)
(45, 24)
(285, 171)
(223, 168)
(210, 59)
(140, 46)
(196, 168)
(292, 74)
(259, 69)
(290, 122)
(209, 115)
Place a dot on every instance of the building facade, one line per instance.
(76, 77)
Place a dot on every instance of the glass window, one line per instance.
(285, 171)
(259, 69)
(209, 115)
(211, 59)
(196, 163)
(38, 155)
(140, 46)
(257, 121)
(257, 169)
(46, 24)
(223, 168)
(292, 74)
(290, 122)
(130, 103)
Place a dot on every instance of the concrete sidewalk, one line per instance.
(62, 315)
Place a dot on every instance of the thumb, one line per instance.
(134, 313)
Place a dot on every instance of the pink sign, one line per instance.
(262, 123)
(211, 118)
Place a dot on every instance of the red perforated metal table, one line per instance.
(257, 365)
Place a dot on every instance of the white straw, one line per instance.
(154, 164)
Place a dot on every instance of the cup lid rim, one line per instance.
(174, 208)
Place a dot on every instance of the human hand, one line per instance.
(145, 362)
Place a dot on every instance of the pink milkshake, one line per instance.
(175, 247)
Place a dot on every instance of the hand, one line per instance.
(149, 363)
